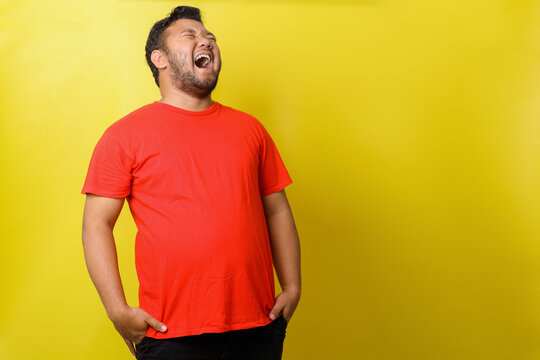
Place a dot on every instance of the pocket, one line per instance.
(283, 320)
(144, 339)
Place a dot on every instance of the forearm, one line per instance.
(102, 263)
(285, 246)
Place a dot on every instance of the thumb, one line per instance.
(276, 310)
(279, 305)
(156, 324)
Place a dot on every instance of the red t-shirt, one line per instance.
(193, 181)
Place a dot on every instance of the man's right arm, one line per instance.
(100, 215)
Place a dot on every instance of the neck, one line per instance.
(187, 102)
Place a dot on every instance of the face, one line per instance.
(193, 57)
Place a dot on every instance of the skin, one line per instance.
(187, 38)
(183, 85)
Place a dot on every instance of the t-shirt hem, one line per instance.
(104, 193)
(277, 188)
(212, 329)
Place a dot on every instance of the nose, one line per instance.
(203, 41)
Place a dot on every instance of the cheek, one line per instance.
(217, 53)
(183, 59)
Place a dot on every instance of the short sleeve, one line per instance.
(273, 176)
(109, 171)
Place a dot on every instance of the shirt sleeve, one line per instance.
(273, 176)
(109, 171)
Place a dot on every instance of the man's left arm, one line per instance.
(285, 246)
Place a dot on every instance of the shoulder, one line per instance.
(132, 123)
(245, 119)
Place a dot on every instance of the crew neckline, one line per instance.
(215, 105)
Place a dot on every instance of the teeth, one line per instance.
(202, 55)
(202, 60)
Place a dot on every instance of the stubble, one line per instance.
(187, 80)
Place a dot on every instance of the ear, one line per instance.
(159, 59)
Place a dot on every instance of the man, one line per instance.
(205, 185)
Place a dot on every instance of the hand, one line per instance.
(286, 303)
(132, 324)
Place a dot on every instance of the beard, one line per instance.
(187, 80)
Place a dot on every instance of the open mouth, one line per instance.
(203, 61)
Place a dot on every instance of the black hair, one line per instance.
(156, 38)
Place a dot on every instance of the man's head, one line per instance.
(181, 50)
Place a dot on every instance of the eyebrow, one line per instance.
(193, 31)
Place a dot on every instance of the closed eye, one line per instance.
(191, 34)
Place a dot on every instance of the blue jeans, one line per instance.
(258, 343)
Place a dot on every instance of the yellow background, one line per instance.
(410, 129)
